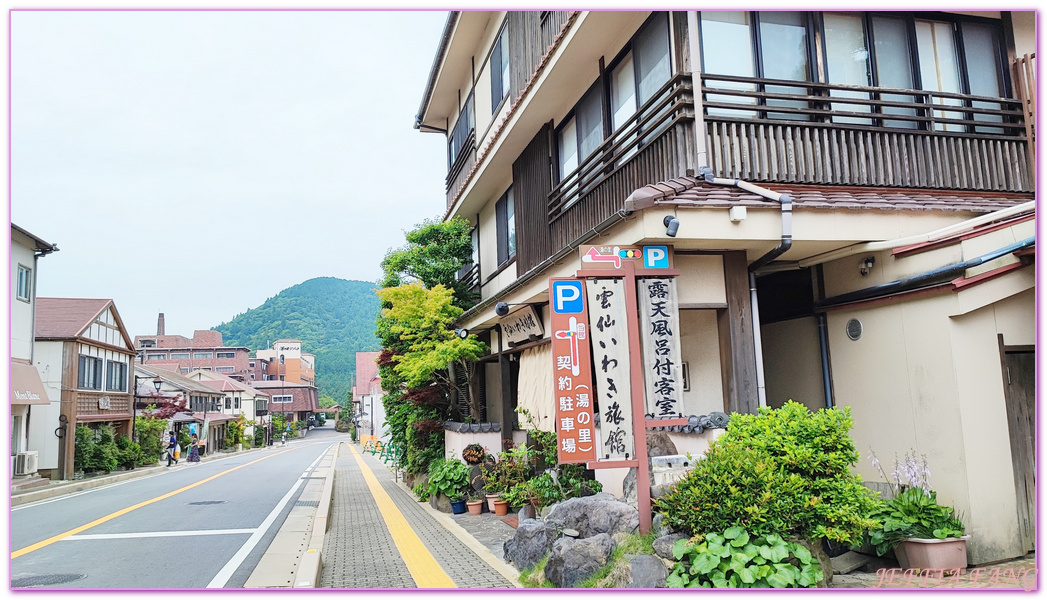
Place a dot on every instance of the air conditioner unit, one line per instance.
(25, 462)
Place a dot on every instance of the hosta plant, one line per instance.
(737, 560)
(914, 513)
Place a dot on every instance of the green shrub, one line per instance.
(82, 444)
(150, 434)
(784, 471)
(448, 477)
(736, 560)
(129, 454)
(422, 491)
(259, 436)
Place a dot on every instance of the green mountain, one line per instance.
(333, 317)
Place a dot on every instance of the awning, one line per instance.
(26, 386)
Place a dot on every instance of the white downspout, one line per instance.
(694, 54)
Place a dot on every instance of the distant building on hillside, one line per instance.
(367, 397)
(285, 361)
(296, 401)
(204, 351)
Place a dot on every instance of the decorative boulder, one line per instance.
(593, 515)
(645, 571)
(440, 502)
(572, 561)
(532, 540)
(663, 546)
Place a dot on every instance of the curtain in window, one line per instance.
(727, 50)
(939, 66)
(847, 62)
(894, 66)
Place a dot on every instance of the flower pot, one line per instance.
(457, 506)
(949, 554)
(501, 507)
(475, 506)
(490, 501)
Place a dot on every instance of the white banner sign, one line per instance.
(609, 333)
(660, 337)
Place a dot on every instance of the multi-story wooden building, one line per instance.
(846, 197)
(85, 356)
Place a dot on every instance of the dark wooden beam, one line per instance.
(737, 327)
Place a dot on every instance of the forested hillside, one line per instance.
(333, 317)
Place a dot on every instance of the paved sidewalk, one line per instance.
(1019, 573)
(361, 551)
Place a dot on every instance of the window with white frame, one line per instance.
(116, 376)
(90, 376)
(225, 355)
(24, 288)
(203, 354)
(228, 403)
(500, 69)
(284, 399)
(179, 355)
(156, 357)
(505, 216)
(225, 369)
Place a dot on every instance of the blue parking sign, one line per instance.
(567, 297)
(656, 257)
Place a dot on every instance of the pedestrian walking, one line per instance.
(172, 445)
(194, 450)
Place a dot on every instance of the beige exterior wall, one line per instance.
(792, 363)
(1024, 22)
(700, 347)
(21, 311)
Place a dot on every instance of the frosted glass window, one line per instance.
(939, 67)
(727, 50)
(982, 51)
(651, 51)
(847, 61)
(894, 66)
(568, 148)
(783, 43)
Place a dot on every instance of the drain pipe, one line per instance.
(823, 343)
(938, 275)
(786, 242)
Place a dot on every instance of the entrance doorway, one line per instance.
(1019, 369)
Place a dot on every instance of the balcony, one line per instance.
(805, 132)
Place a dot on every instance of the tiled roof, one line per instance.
(692, 191)
(66, 318)
(176, 379)
(207, 337)
(366, 370)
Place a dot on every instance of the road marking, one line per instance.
(156, 534)
(124, 511)
(424, 569)
(222, 577)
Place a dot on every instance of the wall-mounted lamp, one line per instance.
(502, 308)
(866, 265)
(672, 225)
(462, 333)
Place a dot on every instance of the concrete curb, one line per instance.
(312, 564)
(483, 552)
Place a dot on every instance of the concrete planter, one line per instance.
(949, 554)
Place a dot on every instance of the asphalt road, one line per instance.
(193, 526)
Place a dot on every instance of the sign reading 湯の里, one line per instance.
(572, 371)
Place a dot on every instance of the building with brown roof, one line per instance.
(297, 401)
(84, 355)
(205, 351)
(832, 207)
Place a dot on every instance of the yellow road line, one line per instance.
(424, 569)
(124, 511)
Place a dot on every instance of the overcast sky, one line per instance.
(198, 163)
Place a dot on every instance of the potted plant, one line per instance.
(450, 478)
(923, 534)
(475, 503)
(458, 502)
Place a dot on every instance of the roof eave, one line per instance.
(441, 53)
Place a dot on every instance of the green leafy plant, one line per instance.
(448, 477)
(914, 513)
(783, 471)
(129, 454)
(738, 560)
(511, 468)
(422, 491)
(150, 435)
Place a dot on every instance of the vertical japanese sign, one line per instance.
(610, 341)
(660, 336)
(572, 371)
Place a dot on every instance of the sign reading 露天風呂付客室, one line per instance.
(660, 338)
(572, 371)
(609, 334)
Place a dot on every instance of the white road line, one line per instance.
(156, 534)
(234, 563)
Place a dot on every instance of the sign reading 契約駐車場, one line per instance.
(572, 371)
(609, 334)
(660, 338)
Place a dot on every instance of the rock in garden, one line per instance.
(440, 502)
(532, 540)
(572, 561)
(659, 444)
(646, 571)
(592, 515)
(663, 546)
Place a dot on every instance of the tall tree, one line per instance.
(434, 253)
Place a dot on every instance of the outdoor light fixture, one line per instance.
(157, 383)
(866, 265)
(672, 225)
(462, 333)
(502, 308)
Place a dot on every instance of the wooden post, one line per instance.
(643, 474)
(505, 411)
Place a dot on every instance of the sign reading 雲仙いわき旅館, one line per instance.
(609, 334)
(572, 371)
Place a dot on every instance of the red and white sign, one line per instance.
(572, 371)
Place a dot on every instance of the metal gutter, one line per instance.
(938, 275)
(445, 41)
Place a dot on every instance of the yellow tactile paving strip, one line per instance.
(424, 569)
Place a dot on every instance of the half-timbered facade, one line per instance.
(847, 198)
(85, 358)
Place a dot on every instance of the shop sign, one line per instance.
(521, 324)
(572, 371)
(660, 338)
(609, 332)
(644, 258)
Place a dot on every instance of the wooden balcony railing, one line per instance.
(806, 132)
(471, 275)
(1023, 75)
(673, 103)
(459, 171)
